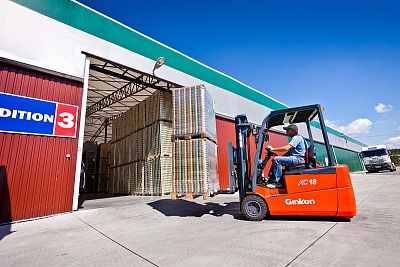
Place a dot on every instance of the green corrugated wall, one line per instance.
(343, 156)
(350, 158)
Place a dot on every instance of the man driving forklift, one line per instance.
(308, 190)
(296, 149)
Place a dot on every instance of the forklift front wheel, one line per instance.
(254, 208)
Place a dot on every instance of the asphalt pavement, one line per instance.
(155, 231)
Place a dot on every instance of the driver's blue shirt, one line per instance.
(299, 146)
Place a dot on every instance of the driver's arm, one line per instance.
(285, 148)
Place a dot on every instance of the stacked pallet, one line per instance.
(153, 176)
(141, 148)
(102, 168)
(193, 113)
(194, 143)
(89, 159)
(195, 166)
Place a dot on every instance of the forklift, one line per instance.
(310, 189)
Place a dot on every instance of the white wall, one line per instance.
(41, 41)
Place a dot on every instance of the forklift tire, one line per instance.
(254, 208)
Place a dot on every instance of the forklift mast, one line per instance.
(242, 128)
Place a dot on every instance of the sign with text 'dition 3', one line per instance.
(26, 115)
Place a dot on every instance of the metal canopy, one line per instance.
(304, 114)
(291, 115)
(113, 89)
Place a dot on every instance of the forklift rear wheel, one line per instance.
(254, 208)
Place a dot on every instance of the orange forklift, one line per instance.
(309, 189)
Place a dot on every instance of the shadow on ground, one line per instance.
(307, 218)
(184, 208)
(5, 230)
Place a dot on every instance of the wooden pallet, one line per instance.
(147, 194)
(175, 137)
(189, 196)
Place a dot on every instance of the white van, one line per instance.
(377, 158)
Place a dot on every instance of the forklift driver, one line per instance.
(297, 148)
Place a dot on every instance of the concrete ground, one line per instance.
(146, 231)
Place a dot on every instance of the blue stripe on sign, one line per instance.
(26, 115)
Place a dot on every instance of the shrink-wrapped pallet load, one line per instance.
(195, 166)
(110, 181)
(194, 146)
(103, 168)
(193, 112)
(160, 143)
(111, 169)
(138, 180)
(159, 170)
(143, 144)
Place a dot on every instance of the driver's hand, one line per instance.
(270, 147)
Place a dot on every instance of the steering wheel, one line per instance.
(266, 158)
(262, 165)
(270, 153)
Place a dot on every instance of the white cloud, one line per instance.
(359, 126)
(398, 129)
(382, 108)
(393, 142)
(333, 124)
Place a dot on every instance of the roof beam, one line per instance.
(120, 94)
(101, 128)
(134, 86)
(148, 81)
(136, 81)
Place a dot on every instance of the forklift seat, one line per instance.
(310, 160)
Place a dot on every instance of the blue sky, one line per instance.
(344, 55)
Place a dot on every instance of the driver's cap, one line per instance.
(291, 126)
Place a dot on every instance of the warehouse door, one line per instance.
(114, 91)
(37, 161)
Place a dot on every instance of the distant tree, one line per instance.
(395, 151)
(395, 156)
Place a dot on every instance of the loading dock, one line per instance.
(112, 90)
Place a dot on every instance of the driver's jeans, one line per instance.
(278, 162)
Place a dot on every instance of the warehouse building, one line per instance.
(67, 72)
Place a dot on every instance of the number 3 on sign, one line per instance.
(68, 120)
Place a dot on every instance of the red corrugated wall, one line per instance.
(36, 179)
(225, 134)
